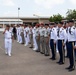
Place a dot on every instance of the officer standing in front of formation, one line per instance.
(61, 38)
(71, 41)
(8, 40)
(53, 39)
(41, 31)
(37, 38)
(46, 40)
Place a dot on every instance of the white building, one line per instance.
(4, 22)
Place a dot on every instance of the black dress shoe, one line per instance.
(61, 63)
(22, 43)
(37, 51)
(30, 47)
(41, 52)
(58, 62)
(71, 69)
(66, 57)
(68, 68)
(46, 54)
(52, 58)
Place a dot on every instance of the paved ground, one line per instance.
(25, 61)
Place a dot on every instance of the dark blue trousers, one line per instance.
(67, 48)
(53, 48)
(61, 50)
(71, 54)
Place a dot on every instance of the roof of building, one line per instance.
(24, 17)
(7, 20)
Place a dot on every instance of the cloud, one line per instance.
(49, 3)
(10, 14)
(8, 3)
(73, 1)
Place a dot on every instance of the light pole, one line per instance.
(18, 14)
(38, 17)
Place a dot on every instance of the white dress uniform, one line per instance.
(11, 28)
(20, 38)
(53, 40)
(34, 39)
(56, 42)
(28, 36)
(61, 38)
(8, 42)
(25, 36)
(17, 34)
(71, 43)
(62, 35)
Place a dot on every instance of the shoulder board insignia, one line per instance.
(74, 28)
(62, 28)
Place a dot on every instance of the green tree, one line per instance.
(56, 18)
(71, 14)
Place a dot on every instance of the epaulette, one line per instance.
(53, 28)
(74, 28)
(62, 28)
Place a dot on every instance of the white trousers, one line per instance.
(8, 46)
(20, 38)
(28, 37)
(34, 42)
(26, 40)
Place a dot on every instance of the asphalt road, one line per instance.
(25, 61)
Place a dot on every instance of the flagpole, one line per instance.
(18, 14)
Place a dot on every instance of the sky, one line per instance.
(42, 8)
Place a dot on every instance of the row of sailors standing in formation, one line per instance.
(42, 37)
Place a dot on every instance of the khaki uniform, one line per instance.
(41, 31)
(31, 37)
(46, 42)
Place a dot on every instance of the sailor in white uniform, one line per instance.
(20, 38)
(8, 40)
(34, 39)
(25, 35)
(28, 35)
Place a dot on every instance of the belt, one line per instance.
(45, 37)
(60, 40)
(51, 39)
(71, 41)
(7, 38)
